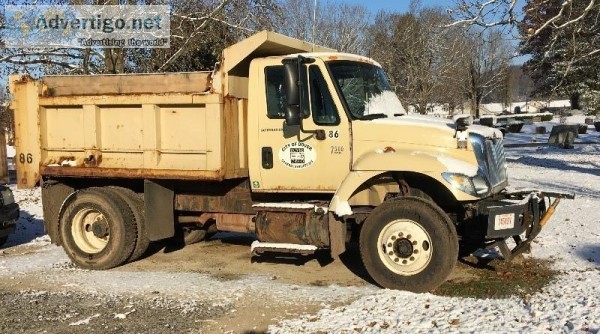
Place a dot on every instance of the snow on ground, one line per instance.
(572, 303)
(528, 134)
(30, 228)
(571, 239)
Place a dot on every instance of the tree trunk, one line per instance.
(114, 61)
(575, 100)
(474, 103)
(422, 108)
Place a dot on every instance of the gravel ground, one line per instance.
(215, 286)
(34, 311)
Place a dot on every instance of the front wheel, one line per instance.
(409, 244)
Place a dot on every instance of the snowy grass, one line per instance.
(571, 240)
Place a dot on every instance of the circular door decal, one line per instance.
(297, 155)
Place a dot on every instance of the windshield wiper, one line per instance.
(373, 116)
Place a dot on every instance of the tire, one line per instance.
(188, 234)
(408, 244)
(97, 230)
(193, 236)
(136, 204)
(3, 240)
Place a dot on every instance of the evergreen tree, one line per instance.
(563, 40)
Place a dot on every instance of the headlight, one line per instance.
(475, 186)
(481, 185)
(7, 197)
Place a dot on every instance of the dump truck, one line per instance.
(307, 148)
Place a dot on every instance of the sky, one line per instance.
(398, 5)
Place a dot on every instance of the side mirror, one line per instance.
(292, 91)
(295, 93)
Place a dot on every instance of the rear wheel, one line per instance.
(97, 230)
(136, 205)
(189, 234)
(3, 240)
(408, 244)
(192, 236)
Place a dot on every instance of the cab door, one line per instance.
(291, 160)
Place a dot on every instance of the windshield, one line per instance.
(365, 89)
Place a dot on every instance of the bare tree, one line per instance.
(423, 60)
(192, 23)
(199, 31)
(337, 25)
(520, 83)
(487, 66)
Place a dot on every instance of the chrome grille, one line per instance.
(496, 161)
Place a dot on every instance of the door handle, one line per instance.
(267, 157)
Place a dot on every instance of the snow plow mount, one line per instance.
(531, 213)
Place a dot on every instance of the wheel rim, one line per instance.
(90, 231)
(404, 247)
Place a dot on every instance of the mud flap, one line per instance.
(159, 210)
(54, 195)
(337, 235)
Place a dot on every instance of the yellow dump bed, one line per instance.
(149, 126)
(188, 126)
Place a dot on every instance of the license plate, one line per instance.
(504, 221)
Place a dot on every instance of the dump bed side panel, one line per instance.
(27, 130)
(158, 135)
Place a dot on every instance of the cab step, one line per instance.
(258, 248)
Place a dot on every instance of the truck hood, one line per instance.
(426, 145)
(415, 129)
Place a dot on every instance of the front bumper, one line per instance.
(8, 217)
(519, 215)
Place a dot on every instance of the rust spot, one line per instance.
(133, 173)
(93, 158)
(200, 220)
(293, 225)
(25, 78)
(47, 92)
(225, 196)
(233, 222)
(333, 57)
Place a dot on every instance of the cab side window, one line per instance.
(323, 109)
(276, 99)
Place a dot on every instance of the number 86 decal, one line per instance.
(26, 158)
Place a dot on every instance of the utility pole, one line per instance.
(314, 25)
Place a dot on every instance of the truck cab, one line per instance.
(300, 145)
(351, 121)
